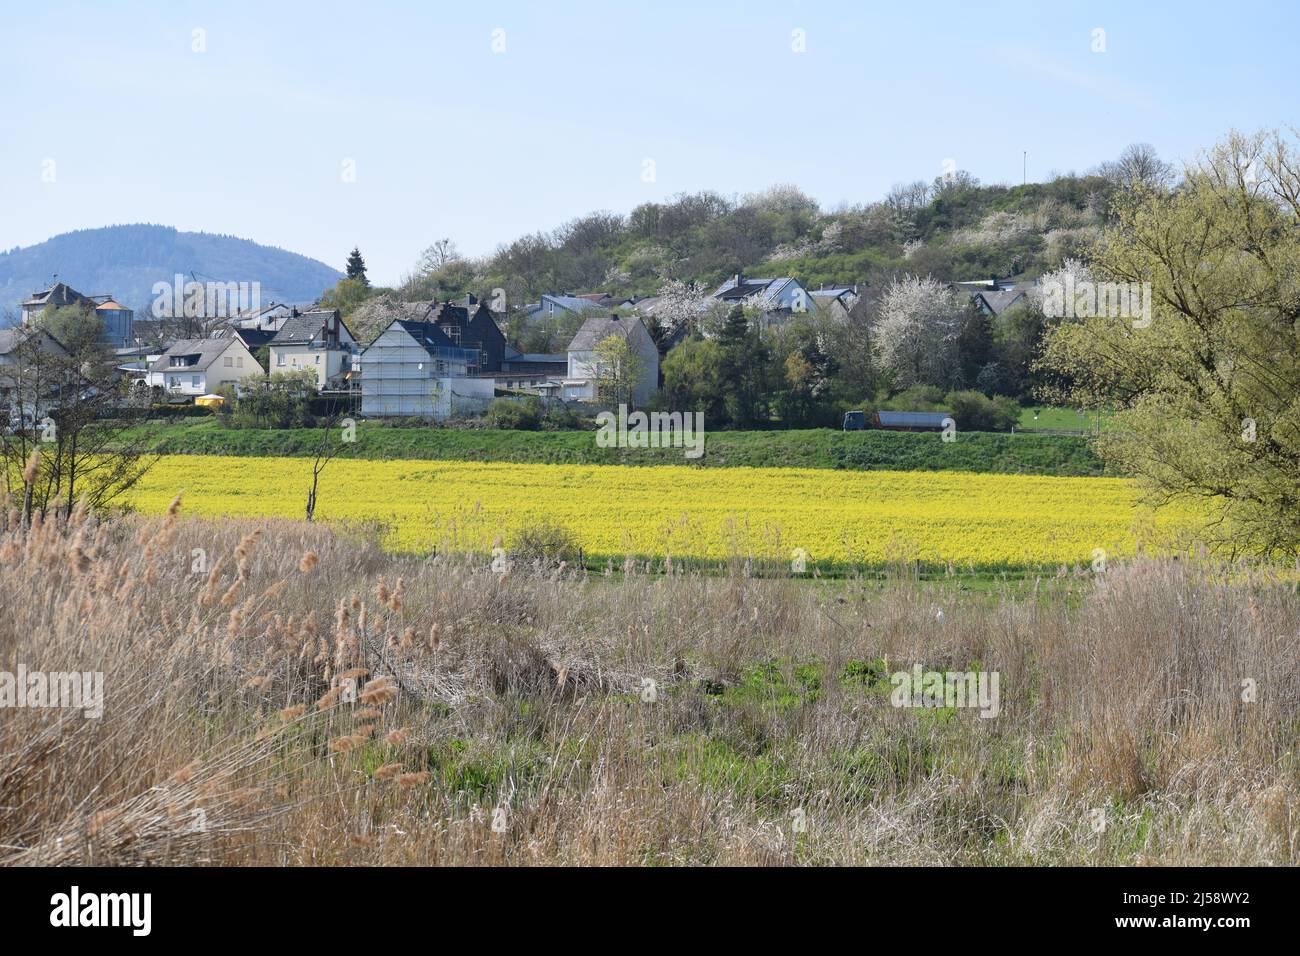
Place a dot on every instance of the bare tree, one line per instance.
(441, 253)
(1139, 167)
(67, 400)
(325, 453)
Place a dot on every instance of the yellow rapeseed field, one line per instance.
(834, 516)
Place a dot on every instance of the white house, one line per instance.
(775, 299)
(201, 366)
(413, 369)
(584, 371)
(316, 340)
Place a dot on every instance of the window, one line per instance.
(173, 382)
(279, 359)
(239, 361)
(196, 380)
(318, 360)
(228, 361)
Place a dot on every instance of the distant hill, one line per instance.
(126, 261)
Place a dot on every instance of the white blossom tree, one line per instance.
(917, 331)
(1071, 275)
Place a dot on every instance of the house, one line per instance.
(552, 306)
(775, 299)
(24, 399)
(911, 421)
(253, 338)
(413, 369)
(317, 340)
(193, 367)
(117, 318)
(993, 296)
(993, 302)
(267, 318)
(472, 326)
(835, 302)
(536, 373)
(582, 378)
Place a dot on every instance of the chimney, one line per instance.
(739, 277)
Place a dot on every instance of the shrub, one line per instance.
(973, 412)
(546, 544)
(524, 414)
(918, 398)
(282, 400)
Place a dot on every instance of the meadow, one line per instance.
(285, 695)
(831, 518)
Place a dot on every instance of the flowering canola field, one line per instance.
(984, 520)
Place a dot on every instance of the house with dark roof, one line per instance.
(993, 296)
(317, 341)
(776, 300)
(585, 370)
(471, 325)
(992, 302)
(532, 372)
(193, 367)
(253, 338)
(117, 318)
(412, 368)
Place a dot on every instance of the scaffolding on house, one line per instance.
(406, 380)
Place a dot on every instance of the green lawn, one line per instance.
(1057, 419)
(813, 448)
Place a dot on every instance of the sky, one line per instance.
(321, 126)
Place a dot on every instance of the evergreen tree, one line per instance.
(357, 267)
(743, 369)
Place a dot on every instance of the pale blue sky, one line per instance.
(453, 139)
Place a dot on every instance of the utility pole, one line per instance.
(1024, 168)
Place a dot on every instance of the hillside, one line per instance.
(952, 228)
(127, 260)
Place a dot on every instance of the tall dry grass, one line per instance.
(505, 719)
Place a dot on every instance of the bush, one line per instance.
(973, 412)
(918, 398)
(546, 544)
(519, 413)
(560, 418)
(282, 400)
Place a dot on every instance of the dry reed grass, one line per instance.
(289, 696)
